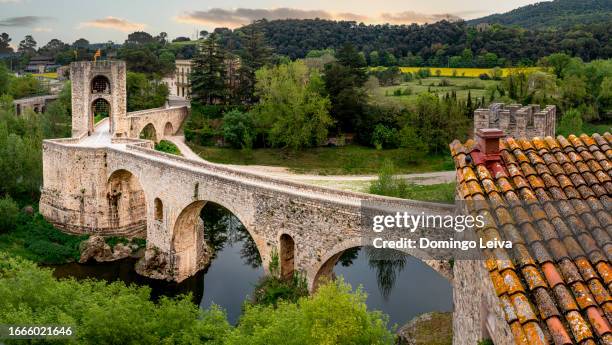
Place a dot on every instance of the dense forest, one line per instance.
(431, 44)
(553, 14)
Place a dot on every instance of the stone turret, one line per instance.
(516, 120)
(98, 88)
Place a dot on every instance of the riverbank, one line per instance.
(37, 240)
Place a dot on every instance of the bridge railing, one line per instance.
(154, 111)
(334, 193)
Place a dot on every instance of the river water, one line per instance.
(402, 288)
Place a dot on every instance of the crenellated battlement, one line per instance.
(516, 120)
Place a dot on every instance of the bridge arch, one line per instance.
(126, 204)
(323, 269)
(168, 129)
(148, 132)
(188, 246)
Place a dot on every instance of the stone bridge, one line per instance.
(105, 180)
(37, 103)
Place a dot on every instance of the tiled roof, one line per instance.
(555, 284)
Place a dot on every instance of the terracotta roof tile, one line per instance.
(558, 332)
(534, 334)
(583, 295)
(554, 203)
(578, 326)
(518, 333)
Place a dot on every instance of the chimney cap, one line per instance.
(490, 133)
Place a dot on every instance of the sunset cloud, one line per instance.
(114, 23)
(241, 16)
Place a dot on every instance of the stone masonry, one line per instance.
(517, 121)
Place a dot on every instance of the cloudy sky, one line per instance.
(100, 21)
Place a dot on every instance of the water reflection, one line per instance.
(236, 266)
(401, 286)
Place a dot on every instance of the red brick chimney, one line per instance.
(488, 140)
(487, 150)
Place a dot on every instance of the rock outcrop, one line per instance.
(96, 248)
(428, 329)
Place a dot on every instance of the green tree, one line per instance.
(26, 86)
(384, 137)
(374, 58)
(344, 81)
(103, 313)
(573, 91)
(27, 45)
(208, 74)
(414, 147)
(5, 43)
(605, 96)
(542, 87)
(238, 129)
(291, 107)
(557, 61)
(571, 123)
(8, 213)
(333, 315)
(166, 60)
(145, 91)
(254, 54)
(4, 79)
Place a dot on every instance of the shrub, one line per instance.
(333, 315)
(168, 147)
(238, 129)
(384, 137)
(387, 184)
(9, 211)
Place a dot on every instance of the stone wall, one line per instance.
(517, 121)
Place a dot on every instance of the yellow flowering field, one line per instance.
(469, 72)
(51, 75)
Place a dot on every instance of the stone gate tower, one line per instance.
(98, 88)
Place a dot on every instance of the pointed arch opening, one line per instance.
(287, 256)
(159, 210)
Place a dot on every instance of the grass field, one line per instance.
(443, 192)
(461, 86)
(351, 159)
(469, 72)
